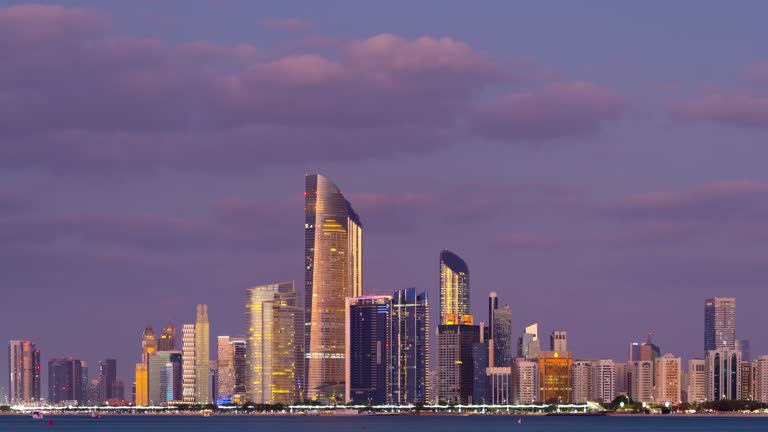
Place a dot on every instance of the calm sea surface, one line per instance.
(384, 424)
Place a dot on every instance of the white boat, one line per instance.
(37, 414)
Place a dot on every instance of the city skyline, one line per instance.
(573, 184)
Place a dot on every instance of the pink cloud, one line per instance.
(757, 73)
(32, 24)
(526, 241)
(556, 110)
(732, 110)
(208, 49)
(285, 24)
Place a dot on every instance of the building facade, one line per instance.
(163, 377)
(669, 378)
(454, 361)
(333, 263)
(603, 381)
(641, 381)
(189, 367)
(760, 379)
(525, 387)
(696, 389)
(454, 288)
(723, 370)
(106, 380)
(274, 343)
(582, 381)
(719, 323)
(555, 377)
(621, 379)
(167, 340)
(368, 368)
(558, 341)
(24, 372)
(65, 381)
(501, 337)
(141, 385)
(410, 347)
(202, 356)
(500, 381)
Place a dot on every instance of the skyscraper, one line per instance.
(141, 397)
(274, 320)
(148, 343)
(723, 370)
(241, 368)
(603, 381)
(163, 377)
(225, 362)
(188, 368)
(555, 377)
(410, 347)
(24, 372)
(719, 323)
(333, 271)
(582, 381)
(760, 366)
(641, 381)
(369, 350)
(454, 361)
(65, 381)
(502, 337)
(697, 381)
(669, 379)
(558, 341)
(107, 378)
(524, 381)
(454, 288)
(493, 305)
(528, 344)
(167, 340)
(202, 356)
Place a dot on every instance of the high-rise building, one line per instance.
(668, 379)
(641, 381)
(24, 372)
(555, 377)
(454, 361)
(163, 377)
(167, 340)
(760, 391)
(502, 337)
(107, 378)
(148, 343)
(582, 381)
(118, 391)
(410, 347)
(202, 356)
(241, 366)
(333, 271)
(188, 367)
(493, 306)
(368, 350)
(480, 365)
(697, 381)
(649, 351)
(746, 380)
(274, 350)
(719, 323)
(621, 379)
(454, 288)
(528, 344)
(141, 394)
(225, 362)
(558, 341)
(213, 381)
(634, 352)
(723, 370)
(603, 381)
(65, 381)
(524, 381)
(499, 387)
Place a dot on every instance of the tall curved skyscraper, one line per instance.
(454, 288)
(333, 270)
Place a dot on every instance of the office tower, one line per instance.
(454, 361)
(582, 381)
(634, 352)
(719, 323)
(148, 343)
(480, 359)
(65, 381)
(434, 382)
(723, 370)
(368, 350)
(141, 393)
(410, 347)
(697, 381)
(528, 344)
(499, 387)
(621, 379)
(641, 381)
(213, 381)
(225, 362)
(760, 372)
(454, 288)
(668, 379)
(160, 377)
(241, 368)
(333, 271)
(746, 380)
(524, 381)
(83, 383)
(94, 393)
(502, 337)
(107, 378)
(555, 377)
(274, 319)
(649, 351)
(24, 372)
(202, 356)
(493, 305)
(603, 381)
(189, 367)
(167, 338)
(558, 341)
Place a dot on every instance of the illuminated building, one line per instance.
(241, 368)
(555, 377)
(167, 340)
(24, 372)
(696, 390)
(65, 381)
(524, 381)
(142, 381)
(528, 344)
(668, 379)
(454, 288)
(333, 271)
(410, 347)
(641, 381)
(225, 357)
(274, 322)
(723, 370)
(454, 361)
(148, 343)
(558, 341)
(107, 378)
(188, 367)
(163, 377)
(501, 337)
(582, 381)
(603, 381)
(746, 380)
(368, 375)
(719, 323)
(202, 356)
(760, 371)
(213, 381)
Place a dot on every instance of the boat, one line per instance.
(520, 420)
(95, 416)
(36, 414)
(207, 413)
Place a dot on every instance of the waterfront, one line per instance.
(427, 423)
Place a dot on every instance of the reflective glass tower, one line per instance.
(167, 340)
(369, 350)
(410, 347)
(24, 372)
(202, 356)
(454, 288)
(333, 236)
(719, 323)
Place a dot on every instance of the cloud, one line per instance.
(285, 24)
(757, 73)
(729, 110)
(553, 111)
(525, 241)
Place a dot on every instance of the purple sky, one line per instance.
(601, 165)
